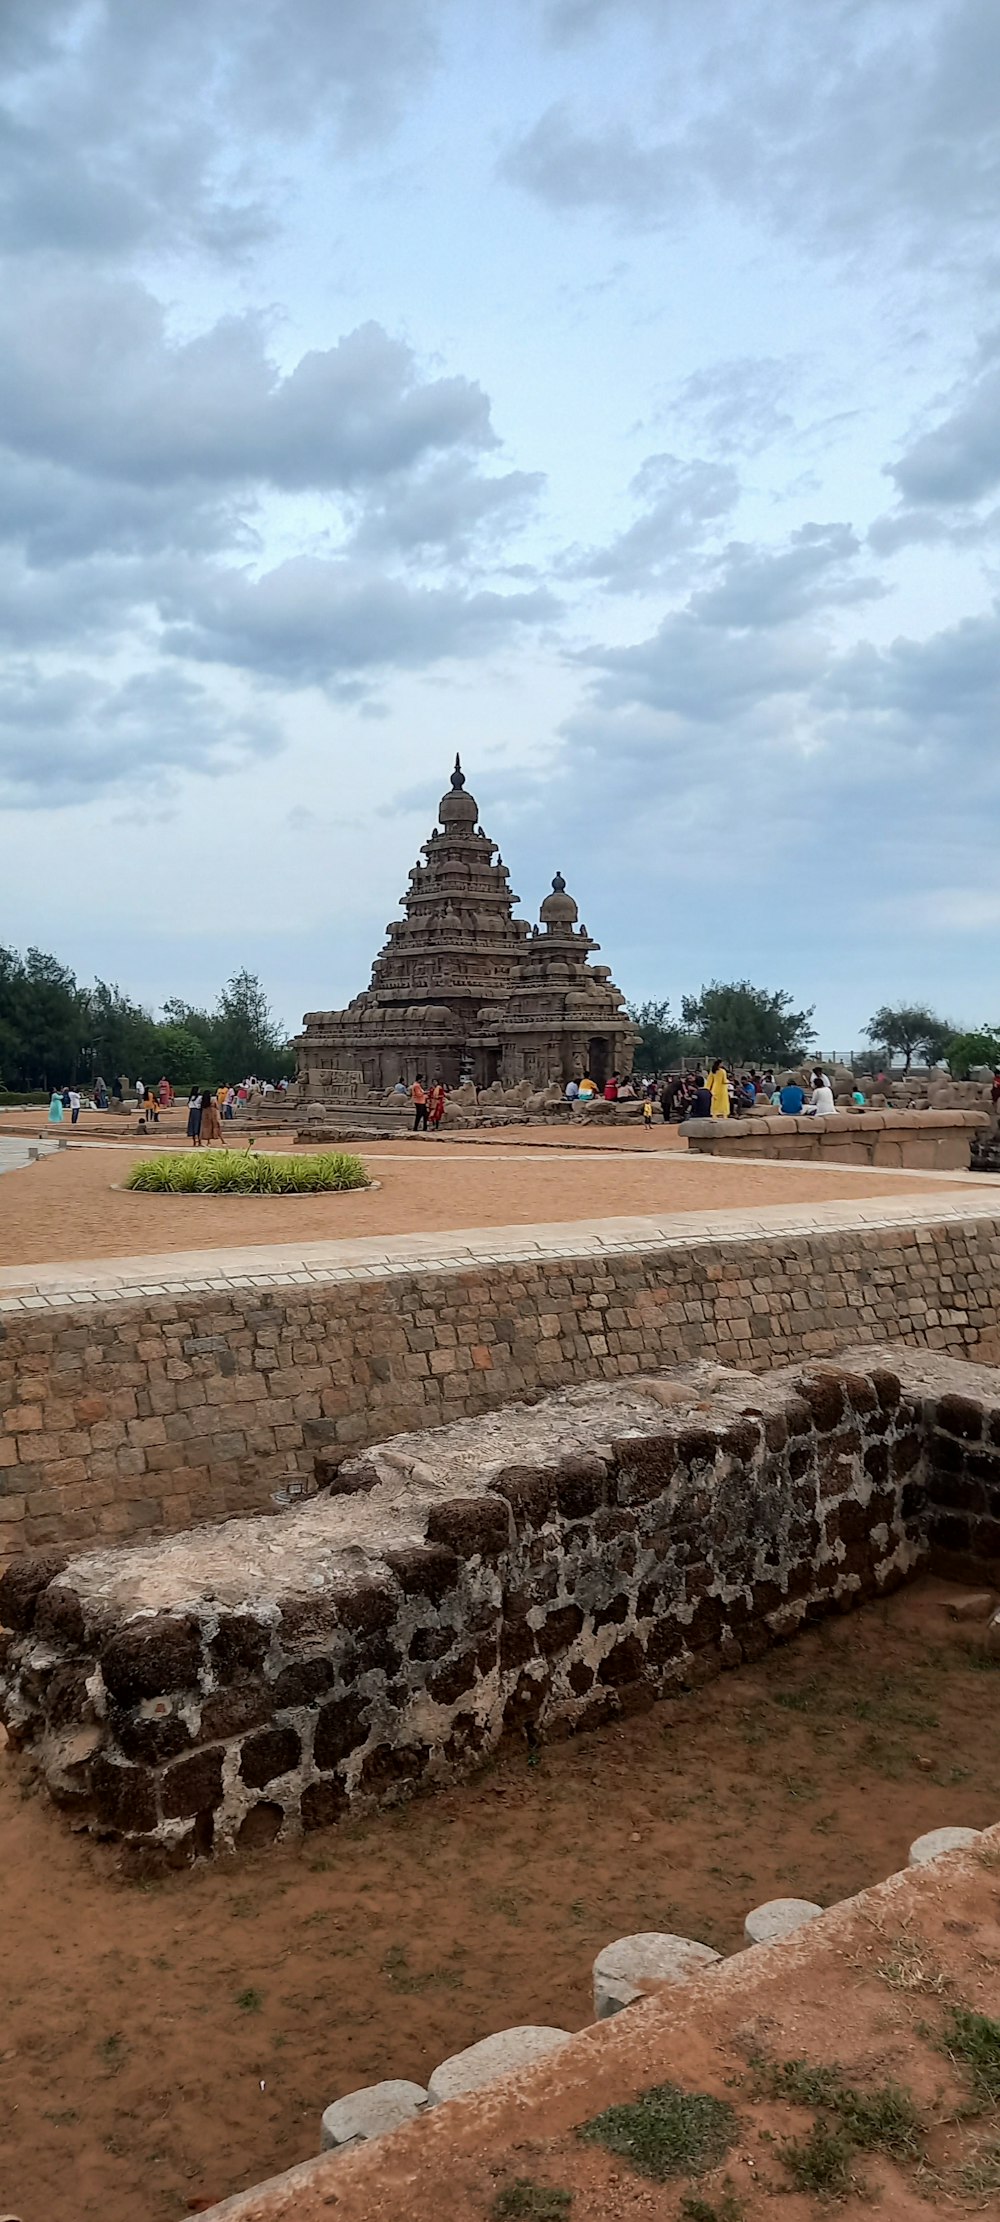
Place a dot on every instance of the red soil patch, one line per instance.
(168, 2045)
(67, 1207)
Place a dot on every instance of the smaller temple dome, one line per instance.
(559, 908)
(456, 807)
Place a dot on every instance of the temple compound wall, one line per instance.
(464, 991)
(535, 1572)
(131, 1418)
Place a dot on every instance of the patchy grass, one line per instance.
(524, 2201)
(667, 2132)
(910, 1966)
(980, 2175)
(847, 2121)
(250, 2001)
(727, 2208)
(821, 2162)
(882, 2120)
(973, 2041)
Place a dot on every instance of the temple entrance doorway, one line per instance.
(597, 1059)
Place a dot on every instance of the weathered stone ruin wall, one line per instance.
(141, 1418)
(548, 1569)
(538, 1571)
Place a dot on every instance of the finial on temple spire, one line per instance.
(558, 885)
(458, 775)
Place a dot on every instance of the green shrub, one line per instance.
(246, 1173)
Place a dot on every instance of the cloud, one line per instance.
(684, 501)
(125, 126)
(310, 622)
(944, 688)
(141, 474)
(570, 167)
(760, 586)
(843, 122)
(66, 736)
(445, 511)
(957, 461)
(740, 402)
(140, 407)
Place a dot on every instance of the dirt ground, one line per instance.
(163, 2047)
(69, 1207)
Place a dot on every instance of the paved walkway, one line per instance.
(15, 1152)
(273, 1265)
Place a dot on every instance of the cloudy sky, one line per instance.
(607, 388)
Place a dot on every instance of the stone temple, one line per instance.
(464, 991)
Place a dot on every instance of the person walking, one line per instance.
(210, 1130)
(418, 1098)
(74, 1105)
(194, 1118)
(436, 1105)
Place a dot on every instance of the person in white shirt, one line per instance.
(821, 1103)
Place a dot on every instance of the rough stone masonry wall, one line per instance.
(542, 1570)
(131, 1419)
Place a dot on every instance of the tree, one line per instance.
(183, 1057)
(41, 1015)
(909, 1027)
(748, 1025)
(662, 1041)
(247, 1036)
(965, 1051)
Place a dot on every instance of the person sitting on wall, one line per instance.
(572, 1090)
(700, 1106)
(586, 1091)
(821, 1104)
(792, 1099)
(401, 1088)
(611, 1089)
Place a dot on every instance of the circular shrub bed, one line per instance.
(246, 1173)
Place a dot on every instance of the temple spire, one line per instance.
(458, 775)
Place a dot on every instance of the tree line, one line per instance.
(53, 1031)
(748, 1025)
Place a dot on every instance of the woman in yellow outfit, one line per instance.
(718, 1081)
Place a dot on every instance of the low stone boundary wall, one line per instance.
(141, 1417)
(921, 1141)
(536, 1571)
(546, 1568)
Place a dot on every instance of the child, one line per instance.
(647, 1114)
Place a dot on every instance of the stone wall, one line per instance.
(542, 1570)
(134, 1418)
(921, 1141)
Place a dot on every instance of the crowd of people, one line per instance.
(207, 1107)
(721, 1093)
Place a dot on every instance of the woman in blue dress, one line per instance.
(56, 1108)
